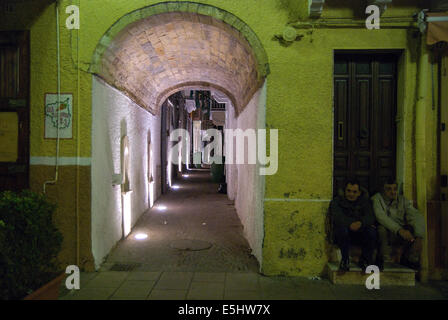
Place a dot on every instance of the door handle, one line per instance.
(364, 133)
(341, 130)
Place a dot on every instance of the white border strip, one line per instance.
(63, 161)
(296, 200)
(437, 19)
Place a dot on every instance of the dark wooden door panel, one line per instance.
(14, 104)
(364, 119)
(386, 115)
(341, 114)
(9, 69)
(362, 111)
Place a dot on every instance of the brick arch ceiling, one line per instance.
(153, 57)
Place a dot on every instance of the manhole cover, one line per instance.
(190, 245)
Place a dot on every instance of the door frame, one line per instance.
(400, 161)
(22, 39)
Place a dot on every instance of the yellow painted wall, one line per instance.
(299, 104)
(44, 80)
(307, 138)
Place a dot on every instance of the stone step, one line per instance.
(393, 275)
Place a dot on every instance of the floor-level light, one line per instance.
(141, 236)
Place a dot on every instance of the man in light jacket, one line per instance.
(399, 224)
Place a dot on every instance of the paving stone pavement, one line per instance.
(168, 285)
(195, 212)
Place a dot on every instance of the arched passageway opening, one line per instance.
(136, 72)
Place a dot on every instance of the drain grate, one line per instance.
(124, 267)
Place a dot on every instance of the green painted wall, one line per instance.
(299, 104)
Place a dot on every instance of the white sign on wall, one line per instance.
(65, 109)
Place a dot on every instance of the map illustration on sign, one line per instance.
(64, 109)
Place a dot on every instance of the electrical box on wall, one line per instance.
(382, 4)
(315, 8)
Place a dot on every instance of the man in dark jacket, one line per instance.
(354, 221)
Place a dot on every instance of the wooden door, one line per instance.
(364, 119)
(14, 110)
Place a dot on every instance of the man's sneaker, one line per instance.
(344, 266)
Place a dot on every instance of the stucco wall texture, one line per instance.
(299, 104)
(67, 197)
(116, 116)
(244, 184)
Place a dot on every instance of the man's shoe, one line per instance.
(363, 264)
(344, 266)
(407, 263)
(380, 263)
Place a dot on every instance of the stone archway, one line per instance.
(140, 54)
(148, 55)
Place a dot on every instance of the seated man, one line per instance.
(353, 221)
(399, 224)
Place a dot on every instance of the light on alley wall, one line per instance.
(179, 159)
(127, 209)
(169, 168)
(151, 194)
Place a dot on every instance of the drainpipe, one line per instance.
(386, 23)
(78, 148)
(444, 156)
(59, 99)
(420, 147)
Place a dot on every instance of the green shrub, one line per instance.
(29, 243)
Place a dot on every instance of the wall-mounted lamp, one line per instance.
(122, 178)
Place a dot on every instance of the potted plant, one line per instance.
(29, 245)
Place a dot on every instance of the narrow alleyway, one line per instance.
(191, 228)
